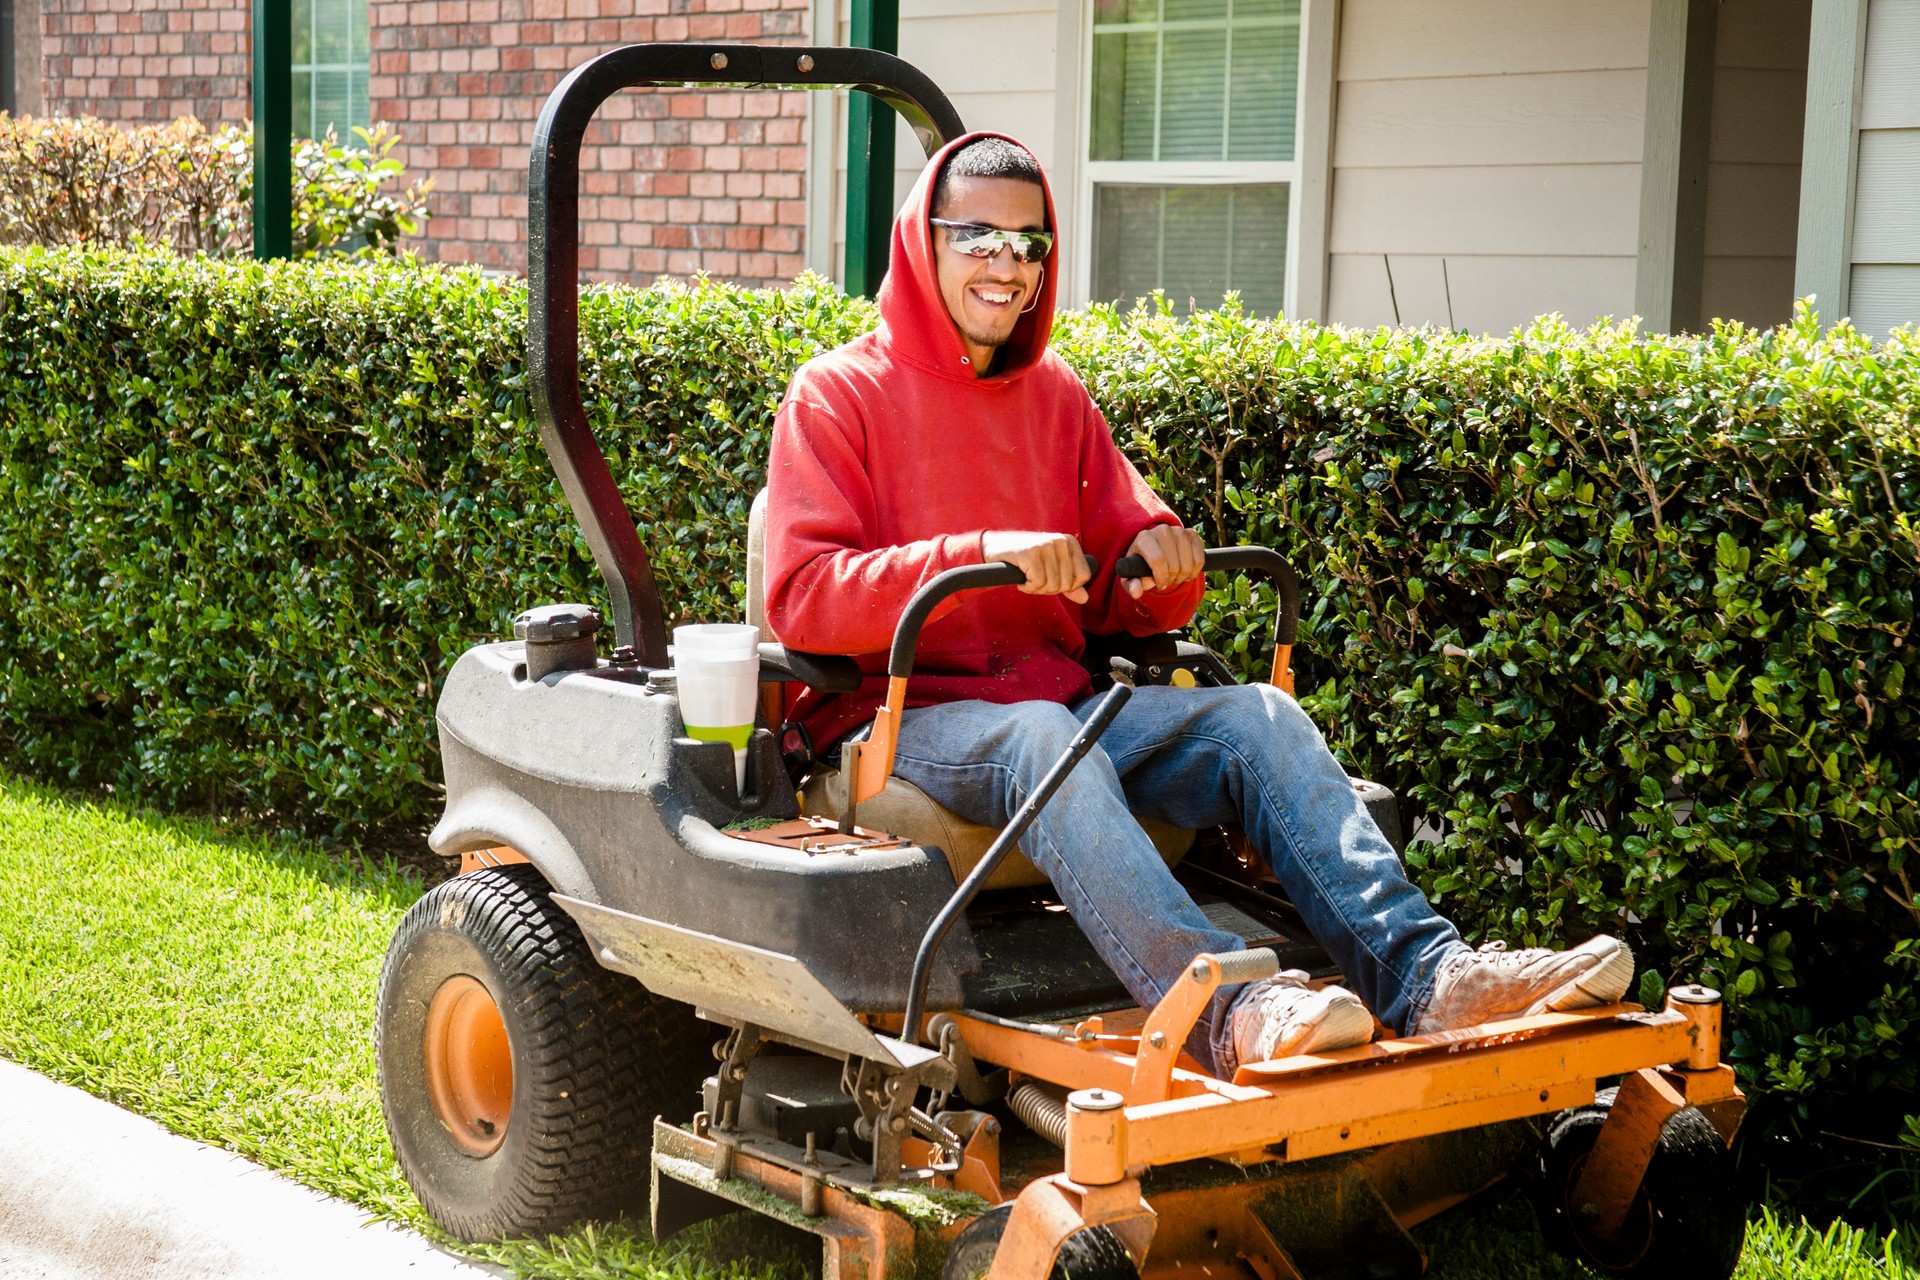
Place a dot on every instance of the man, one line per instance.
(952, 436)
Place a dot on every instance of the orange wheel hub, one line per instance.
(469, 1065)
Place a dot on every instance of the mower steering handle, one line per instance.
(870, 763)
(906, 635)
(1260, 561)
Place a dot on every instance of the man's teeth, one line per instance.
(996, 296)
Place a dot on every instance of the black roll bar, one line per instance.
(553, 269)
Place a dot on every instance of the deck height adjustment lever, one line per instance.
(997, 852)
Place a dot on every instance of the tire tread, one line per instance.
(1698, 1217)
(596, 1057)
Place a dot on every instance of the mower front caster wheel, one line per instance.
(520, 1078)
(1687, 1219)
(1093, 1254)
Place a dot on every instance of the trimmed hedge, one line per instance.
(80, 180)
(1630, 619)
(1626, 618)
(251, 514)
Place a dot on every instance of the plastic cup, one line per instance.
(719, 699)
(716, 640)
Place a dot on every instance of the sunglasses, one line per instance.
(978, 241)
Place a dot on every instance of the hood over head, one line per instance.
(913, 317)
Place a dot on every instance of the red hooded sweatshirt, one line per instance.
(890, 459)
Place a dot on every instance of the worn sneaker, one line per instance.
(1494, 983)
(1281, 1016)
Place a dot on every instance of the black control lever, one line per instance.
(968, 577)
(1003, 844)
(868, 764)
(1260, 561)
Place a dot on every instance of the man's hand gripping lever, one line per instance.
(869, 764)
(1053, 563)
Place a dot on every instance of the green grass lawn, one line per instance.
(225, 987)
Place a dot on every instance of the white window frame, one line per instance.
(1305, 175)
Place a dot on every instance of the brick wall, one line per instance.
(143, 60)
(672, 181)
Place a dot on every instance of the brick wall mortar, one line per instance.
(156, 61)
(673, 181)
(464, 80)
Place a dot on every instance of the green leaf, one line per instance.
(1653, 990)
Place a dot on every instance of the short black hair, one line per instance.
(988, 158)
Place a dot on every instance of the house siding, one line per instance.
(1884, 284)
(1486, 161)
(1008, 85)
(1753, 163)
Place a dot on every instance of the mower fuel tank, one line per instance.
(588, 773)
(558, 637)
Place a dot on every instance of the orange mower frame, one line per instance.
(1365, 1126)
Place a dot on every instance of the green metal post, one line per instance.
(876, 25)
(273, 128)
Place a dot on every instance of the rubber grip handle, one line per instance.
(1263, 561)
(1246, 966)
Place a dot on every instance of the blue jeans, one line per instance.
(1245, 755)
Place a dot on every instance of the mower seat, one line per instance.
(901, 808)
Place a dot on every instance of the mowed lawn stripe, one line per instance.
(221, 985)
(224, 985)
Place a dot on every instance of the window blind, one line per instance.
(1201, 80)
(1182, 83)
(1195, 242)
(330, 63)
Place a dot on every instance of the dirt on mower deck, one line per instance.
(91, 1192)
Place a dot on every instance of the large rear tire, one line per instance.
(1688, 1220)
(519, 1078)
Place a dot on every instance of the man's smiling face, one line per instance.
(986, 295)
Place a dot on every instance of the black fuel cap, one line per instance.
(550, 622)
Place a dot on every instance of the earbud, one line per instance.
(1036, 290)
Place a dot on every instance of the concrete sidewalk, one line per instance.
(91, 1192)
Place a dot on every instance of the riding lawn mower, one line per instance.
(829, 1001)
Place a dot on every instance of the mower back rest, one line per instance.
(902, 808)
(757, 568)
